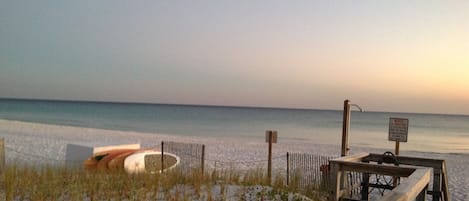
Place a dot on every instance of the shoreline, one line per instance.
(260, 138)
(45, 143)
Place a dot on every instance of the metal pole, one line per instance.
(345, 128)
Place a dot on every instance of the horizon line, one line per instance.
(213, 105)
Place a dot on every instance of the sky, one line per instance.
(400, 56)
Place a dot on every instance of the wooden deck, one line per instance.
(417, 172)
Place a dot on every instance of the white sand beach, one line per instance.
(46, 144)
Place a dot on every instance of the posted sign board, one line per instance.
(398, 129)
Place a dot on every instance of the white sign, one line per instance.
(271, 135)
(398, 129)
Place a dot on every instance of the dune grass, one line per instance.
(23, 182)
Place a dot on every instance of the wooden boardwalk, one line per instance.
(417, 172)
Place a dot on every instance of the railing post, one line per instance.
(336, 176)
(444, 185)
(422, 196)
(365, 185)
(436, 185)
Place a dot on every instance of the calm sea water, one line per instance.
(427, 132)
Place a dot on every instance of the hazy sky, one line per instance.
(410, 56)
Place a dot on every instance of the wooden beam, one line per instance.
(405, 160)
(352, 158)
(445, 188)
(345, 127)
(335, 192)
(410, 188)
(375, 168)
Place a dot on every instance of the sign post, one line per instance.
(396, 149)
(270, 137)
(398, 131)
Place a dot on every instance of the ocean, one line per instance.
(427, 132)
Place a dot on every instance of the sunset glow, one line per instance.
(388, 56)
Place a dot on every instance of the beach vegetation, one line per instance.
(26, 182)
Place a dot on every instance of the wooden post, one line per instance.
(396, 151)
(365, 185)
(270, 137)
(436, 185)
(344, 149)
(2, 154)
(422, 196)
(203, 160)
(444, 185)
(438, 180)
(162, 156)
(336, 175)
(269, 164)
(345, 128)
(288, 169)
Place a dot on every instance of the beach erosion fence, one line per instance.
(308, 171)
(302, 170)
(192, 156)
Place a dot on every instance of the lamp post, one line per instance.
(346, 126)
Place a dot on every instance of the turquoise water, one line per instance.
(427, 132)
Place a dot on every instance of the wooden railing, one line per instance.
(440, 189)
(415, 187)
